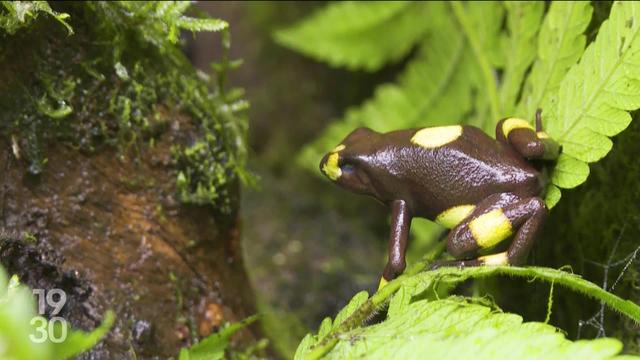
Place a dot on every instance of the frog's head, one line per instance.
(347, 163)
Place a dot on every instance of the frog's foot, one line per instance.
(492, 222)
(521, 136)
(460, 264)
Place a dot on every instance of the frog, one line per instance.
(484, 190)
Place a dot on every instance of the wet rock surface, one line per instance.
(107, 230)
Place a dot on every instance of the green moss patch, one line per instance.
(93, 74)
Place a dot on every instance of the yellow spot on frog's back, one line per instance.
(496, 259)
(331, 168)
(514, 123)
(490, 228)
(436, 136)
(338, 148)
(453, 216)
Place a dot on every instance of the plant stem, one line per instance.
(483, 62)
(454, 275)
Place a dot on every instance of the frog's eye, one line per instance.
(347, 168)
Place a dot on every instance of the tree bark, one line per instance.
(109, 231)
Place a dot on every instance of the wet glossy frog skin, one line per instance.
(485, 190)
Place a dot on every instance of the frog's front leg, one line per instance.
(400, 224)
(521, 137)
(491, 224)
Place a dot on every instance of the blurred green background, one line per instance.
(309, 246)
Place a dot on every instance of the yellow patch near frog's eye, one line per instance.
(514, 123)
(338, 148)
(453, 216)
(496, 259)
(331, 167)
(490, 228)
(542, 135)
(436, 136)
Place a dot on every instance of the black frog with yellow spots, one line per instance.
(485, 190)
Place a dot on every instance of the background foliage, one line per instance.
(16, 326)
(478, 62)
(131, 64)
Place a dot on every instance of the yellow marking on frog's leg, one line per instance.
(436, 136)
(383, 283)
(495, 259)
(542, 135)
(338, 148)
(454, 215)
(331, 167)
(490, 228)
(514, 123)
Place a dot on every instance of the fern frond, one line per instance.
(523, 22)
(560, 44)
(359, 35)
(404, 294)
(456, 329)
(597, 93)
(425, 81)
(480, 23)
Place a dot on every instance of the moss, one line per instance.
(102, 87)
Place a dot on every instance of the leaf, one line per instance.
(552, 196)
(18, 323)
(412, 102)
(413, 283)
(213, 347)
(352, 306)
(78, 342)
(17, 309)
(604, 85)
(402, 298)
(523, 22)
(325, 327)
(569, 172)
(304, 346)
(359, 35)
(196, 25)
(560, 44)
(480, 22)
(455, 329)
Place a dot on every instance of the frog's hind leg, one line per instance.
(531, 213)
(492, 224)
(519, 135)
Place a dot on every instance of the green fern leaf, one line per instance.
(523, 22)
(455, 329)
(406, 321)
(560, 44)
(596, 94)
(325, 327)
(213, 346)
(359, 35)
(352, 306)
(480, 22)
(552, 195)
(410, 102)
